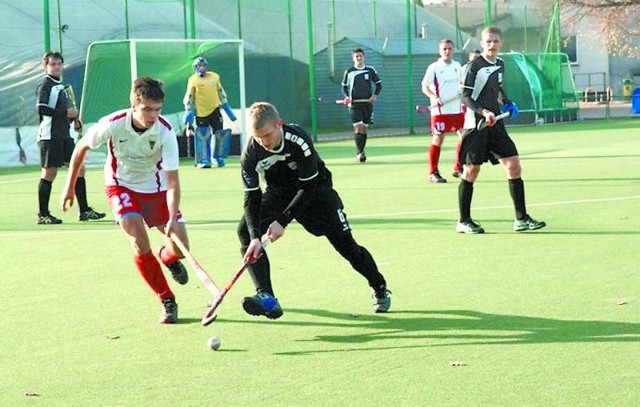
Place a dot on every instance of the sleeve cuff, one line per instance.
(283, 220)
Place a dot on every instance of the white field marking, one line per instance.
(447, 210)
(15, 180)
(115, 229)
(379, 215)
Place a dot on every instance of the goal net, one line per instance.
(112, 66)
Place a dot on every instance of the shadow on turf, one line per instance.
(459, 327)
(185, 321)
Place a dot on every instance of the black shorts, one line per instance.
(321, 217)
(214, 120)
(56, 152)
(361, 113)
(489, 144)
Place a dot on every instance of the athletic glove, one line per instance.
(512, 108)
(189, 116)
(77, 125)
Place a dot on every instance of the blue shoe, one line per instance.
(262, 304)
(220, 162)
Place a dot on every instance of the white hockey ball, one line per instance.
(214, 343)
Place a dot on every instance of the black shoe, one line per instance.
(169, 313)
(456, 173)
(262, 304)
(90, 214)
(178, 272)
(436, 178)
(48, 219)
(361, 157)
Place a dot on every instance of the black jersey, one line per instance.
(52, 104)
(293, 170)
(361, 83)
(483, 85)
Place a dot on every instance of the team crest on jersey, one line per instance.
(152, 144)
(270, 161)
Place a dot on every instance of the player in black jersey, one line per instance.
(56, 111)
(298, 186)
(482, 92)
(361, 86)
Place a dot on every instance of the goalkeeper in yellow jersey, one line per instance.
(202, 102)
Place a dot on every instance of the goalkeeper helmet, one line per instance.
(200, 65)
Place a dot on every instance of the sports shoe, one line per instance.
(361, 157)
(203, 165)
(48, 219)
(527, 223)
(436, 178)
(469, 227)
(456, 173)
(381, 299)
(178, 272)
(90, 214)
(169, 311)
(262, 304)
(220, 162)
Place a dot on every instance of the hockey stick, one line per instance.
(426, 109)
(203, 276)
(210, 316)
(341, 101)
(23, 155)
(187, 135)
(484, 123)
(77, 123)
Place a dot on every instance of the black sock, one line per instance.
(516, 188)
(361, 141)
(44, 193)
(81, 194)
(465, 193)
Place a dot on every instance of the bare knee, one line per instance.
(512, 167)
(49, 173)
(470, 172)
(437, 139)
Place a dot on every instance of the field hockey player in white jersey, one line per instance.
(142, 184)
(441, 84)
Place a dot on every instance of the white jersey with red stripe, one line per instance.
(443, 79)
(136, 161)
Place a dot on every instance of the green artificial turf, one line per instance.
(544, 318)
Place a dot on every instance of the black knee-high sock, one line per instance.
(44, 193)
(361, 141)
(260, 271)
(465, 193)
(81, 194)
(516, 188)
(359, 258)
